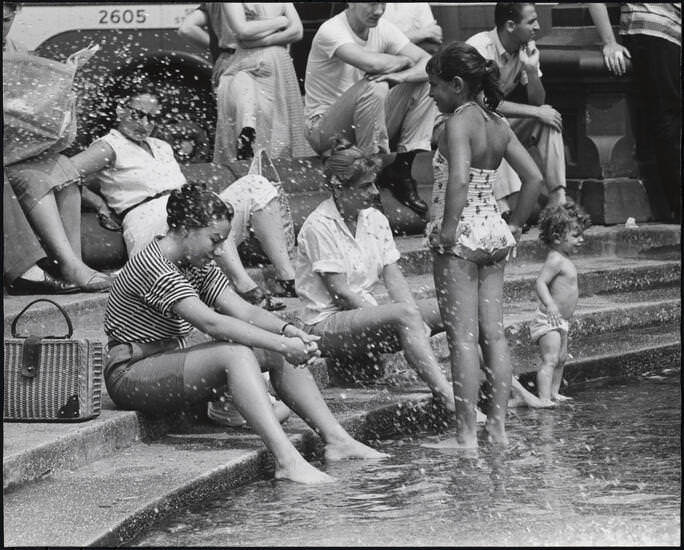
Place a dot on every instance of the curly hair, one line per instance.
(193, 206)
(557, 221)
(345, 163)
(463, 60)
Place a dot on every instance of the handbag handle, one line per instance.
(256, 166)
(60, 308)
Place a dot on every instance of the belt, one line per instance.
(123, 213)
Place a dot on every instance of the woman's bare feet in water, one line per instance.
(453, 443)
(350, 448)
(560, 398)
(301, 471)
(524, 398)
(531, 401)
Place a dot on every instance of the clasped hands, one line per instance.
(301, 349)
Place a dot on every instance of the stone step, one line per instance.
(606, 245)
(631, 316)
(34, 450)
(596, 275)
(647, 241)
(111, 501)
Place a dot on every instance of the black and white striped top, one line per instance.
(140, 304)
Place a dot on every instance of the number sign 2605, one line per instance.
(122, 16)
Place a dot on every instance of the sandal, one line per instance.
(288, 288)
(106, 221)
(258, 297)
(98, 282)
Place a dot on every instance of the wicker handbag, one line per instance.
(53, 378)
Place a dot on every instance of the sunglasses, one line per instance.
(138, 114)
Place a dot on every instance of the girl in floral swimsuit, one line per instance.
(469, 238)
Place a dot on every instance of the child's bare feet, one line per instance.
(350, 448)
(301, 471)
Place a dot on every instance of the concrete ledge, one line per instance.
(124, 514)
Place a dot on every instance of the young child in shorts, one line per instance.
(561, 229)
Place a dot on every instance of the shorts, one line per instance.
(338, 337)
(150, 377)
(146, 377)
(541, 326)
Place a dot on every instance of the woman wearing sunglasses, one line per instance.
(136, 173)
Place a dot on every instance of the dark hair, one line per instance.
(132, 86)
(193, 206)
(346, 162)
(463, 60)
(124, 90)
(509, 11)
(556, 221)
(14, 6)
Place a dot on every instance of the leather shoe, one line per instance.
(49, 285)
(403, 189)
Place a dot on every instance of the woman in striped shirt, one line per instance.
(173, 285)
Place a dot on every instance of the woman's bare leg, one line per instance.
(297, 388)
(212, 366)
(46, 221)
(407, 322)
(68, 200)
(268, 227)
(231, 264)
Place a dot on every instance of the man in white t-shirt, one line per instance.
(416, 21)
(511, 45)
(366, 81)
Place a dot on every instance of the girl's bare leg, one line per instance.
(495, 348)
(297, 388)
(211, 366)
(456, 282)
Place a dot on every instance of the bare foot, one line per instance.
(301, 471)
(467, 444)
(531, 401)
(496, 435)
(351, 449)
(516, 401)
(560, 398)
